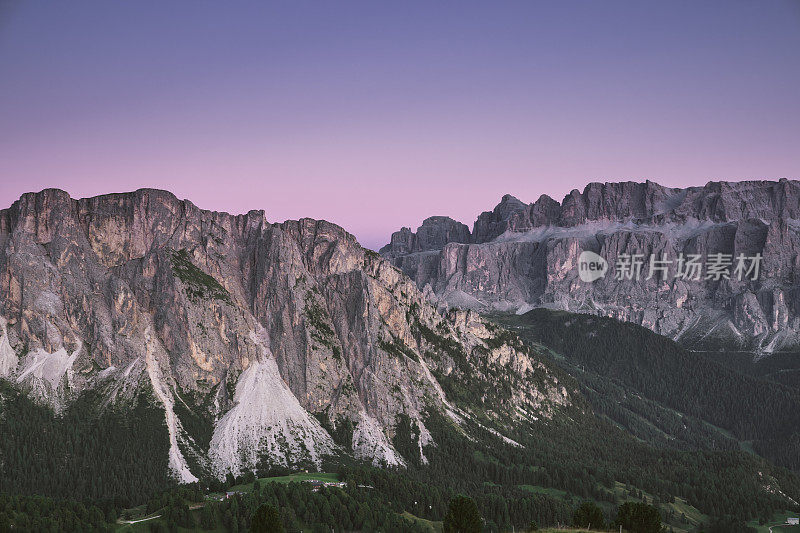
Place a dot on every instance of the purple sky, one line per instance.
(375, 115)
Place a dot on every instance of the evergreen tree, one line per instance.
(462, 516)
(588, 515)
(266, 520)
(639, 518)
(208, 518)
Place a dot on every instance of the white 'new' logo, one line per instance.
(591, 266)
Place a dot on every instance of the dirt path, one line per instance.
(120, 521)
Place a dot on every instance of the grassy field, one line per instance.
(296, 478)
(144, 527)
(555, 493)
(679, 507)
(433, 527)
(137, 513)
(777, 519)
(574, 530)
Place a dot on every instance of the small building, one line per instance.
(793, 521)
(316, 484)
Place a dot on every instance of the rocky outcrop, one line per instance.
(434, 233)
(522, 256)
(266, 336)
(491, 224)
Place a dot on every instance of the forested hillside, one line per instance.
(541, 471)
(89, 452)
(662, 392)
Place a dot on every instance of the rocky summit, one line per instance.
(520, 256)
(259, 341)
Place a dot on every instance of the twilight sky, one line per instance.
(375, 115)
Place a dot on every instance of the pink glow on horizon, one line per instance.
(377, 126)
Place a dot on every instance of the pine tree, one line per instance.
(462, 516)
(588, 515)
(266, 520)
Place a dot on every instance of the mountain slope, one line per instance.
(661, 392)
(240, 330)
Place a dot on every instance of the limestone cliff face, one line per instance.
(525, 255)
(434, 233)
(271, 335)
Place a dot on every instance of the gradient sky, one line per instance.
(375, 115)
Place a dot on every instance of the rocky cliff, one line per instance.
(520, 256)
(260, 341)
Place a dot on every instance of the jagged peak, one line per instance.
(509, 200)
(639, 200)
(546, 198)
(438, 219)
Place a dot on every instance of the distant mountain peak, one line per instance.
(521, 255)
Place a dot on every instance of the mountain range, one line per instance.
(253, 337)
(147, 345)
(524, 255)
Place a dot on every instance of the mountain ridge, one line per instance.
(145, 342)
(207, 310)
(521, 256)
